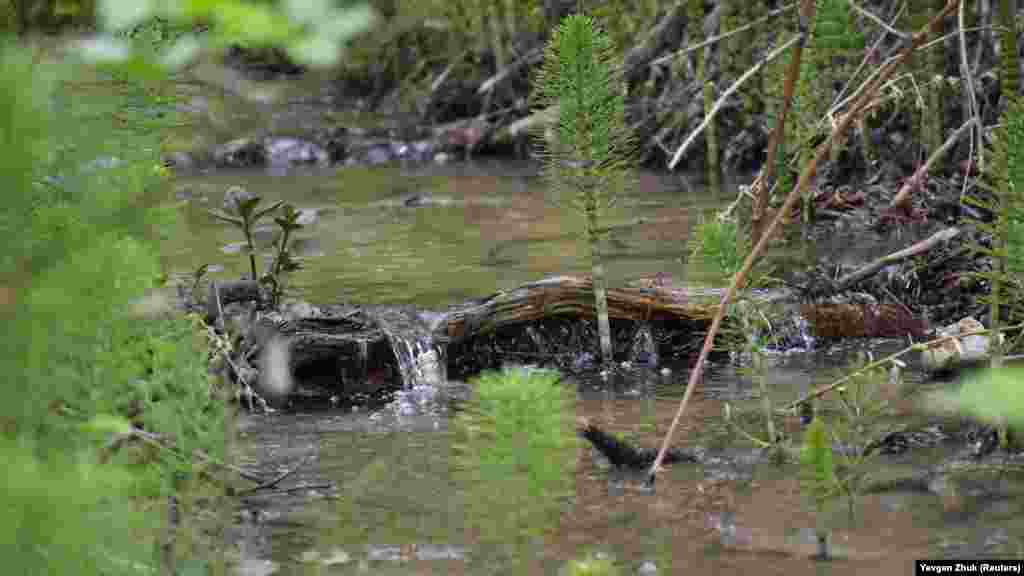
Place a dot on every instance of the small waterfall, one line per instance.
(421, 360)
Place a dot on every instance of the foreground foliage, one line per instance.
(80, 226)
(515, 449)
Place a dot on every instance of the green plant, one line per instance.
(283, 262)
(718, 245)
(591, 147)
(310, 32)
(242, 213)
(1004, 182)
(79, 227)
(818, 477)
(515, 452)
(245, 214)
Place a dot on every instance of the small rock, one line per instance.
(293, 152)
(378, 155)
(996, 539)
(179, 160)
(240, 153)
(184, 193)
(648, 568)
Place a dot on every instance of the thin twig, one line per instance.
(778, 136)
(972, 99)
(879, 21)
(714, 39)
(809, 172)
(277, 479)
(903, 196)
(916, 249)
(882, 362)
(157, 441)
(875, 48)
(725, 95)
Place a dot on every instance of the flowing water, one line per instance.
(377, 495)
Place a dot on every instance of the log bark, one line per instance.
(574, 296)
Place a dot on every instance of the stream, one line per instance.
(377, 495)
(412, 238)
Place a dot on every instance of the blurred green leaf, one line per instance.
(108, 423)
(123, 14)
(994, 396)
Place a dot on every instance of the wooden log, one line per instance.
(568, 295)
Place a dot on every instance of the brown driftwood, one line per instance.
(862, 321)
(573, 296)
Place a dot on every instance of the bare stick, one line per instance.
(531, 57)
(879, 21)
(158, 442)
(875, 48)
(725, 95)
(272, 483)
(809, 172)
(902, 197)
(919, 248)
(760, 203)
(720, 37)
(972, 98)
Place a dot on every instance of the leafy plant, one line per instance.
(79, 226)
(591, 147)
(242, 213)
(311, 32)
(283, 262)
(245, 214)
(515, 451)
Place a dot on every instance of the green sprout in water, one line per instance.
(818, 477)
(515, 451)
(588, 153)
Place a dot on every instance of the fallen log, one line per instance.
(568, 295)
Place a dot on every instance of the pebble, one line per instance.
(648, 568)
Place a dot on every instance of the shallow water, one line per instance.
(436, 235)
(379, 496)
(394, 508)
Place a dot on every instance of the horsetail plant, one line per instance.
(818, 478)
(588, 152)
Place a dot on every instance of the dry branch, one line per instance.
(573, 296)
(808, 173)
(921, 247)
(902, 197)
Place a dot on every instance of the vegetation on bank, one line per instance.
(81, 227)
(108, 416)
(84, 372)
